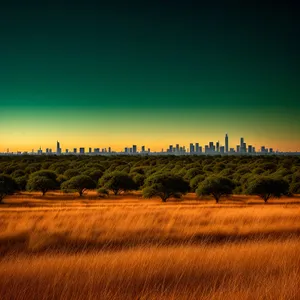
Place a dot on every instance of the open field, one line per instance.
(63, 247)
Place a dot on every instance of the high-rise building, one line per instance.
(143, 149)
(96, 150)
(90, 150)
(238, 148)
(200, 149)
(67, 151)
(109, 149)
(263, 149)
(211, 147)
(170, 148)
(58, 149)
(126, 149)
(222, 149)
(218, 146)
(206, 149)
(81, 150)
(192, 148)
(75, 150)
(244, 148)
(250, 149)
(197, 147)
(134, 148)
(177, 148)
(271, 150)
(226, 143)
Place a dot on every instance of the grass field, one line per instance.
(63, 247)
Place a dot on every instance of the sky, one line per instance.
(150, 73)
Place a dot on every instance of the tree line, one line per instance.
(156, 176)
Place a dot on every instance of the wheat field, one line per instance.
(63, 247)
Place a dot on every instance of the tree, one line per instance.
(41, 183)
(165, 186)
(45, 173)
(216, 186)
(117, 182)
(79, 183)
(7, 186)
(21, 182)
(268, 187)
(194, 183)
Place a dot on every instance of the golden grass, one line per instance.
(137, 249)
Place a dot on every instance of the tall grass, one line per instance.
(148, 250)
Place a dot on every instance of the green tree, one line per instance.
(194, 183)
(165, 186)
(216, 186)
(41, 183)
(79, 183)
(268, 187)
(21, 183)
(117, 182)
(7, 186)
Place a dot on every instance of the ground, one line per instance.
(63, 247)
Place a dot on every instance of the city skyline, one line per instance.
(212, 147)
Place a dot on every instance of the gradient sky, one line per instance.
(149, 72)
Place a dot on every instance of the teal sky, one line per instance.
(149, 74)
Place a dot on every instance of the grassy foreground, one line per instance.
(63, 248)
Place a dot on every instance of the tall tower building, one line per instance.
(218, 146)
(226, 143)
(58, 149)
(134, 149)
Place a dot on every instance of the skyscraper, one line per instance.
(197, 148)
(218, 146)
(58, 149)
(226, 143)
(134, 148)
(192, 148)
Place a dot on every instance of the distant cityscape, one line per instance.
(177, 149)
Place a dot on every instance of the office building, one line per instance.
(143, 149)
(134, 149)
(75, 150)
(226, 143)
(192, 148)
(96, 150)
(58, 149)
(238, 148)
(90, 150)
(250, 149)
(177, 148)
(170, 148)
(67, 151)
(222, 149)
(197, 147)
(218, 146)
(81, 150)
(206, 149)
